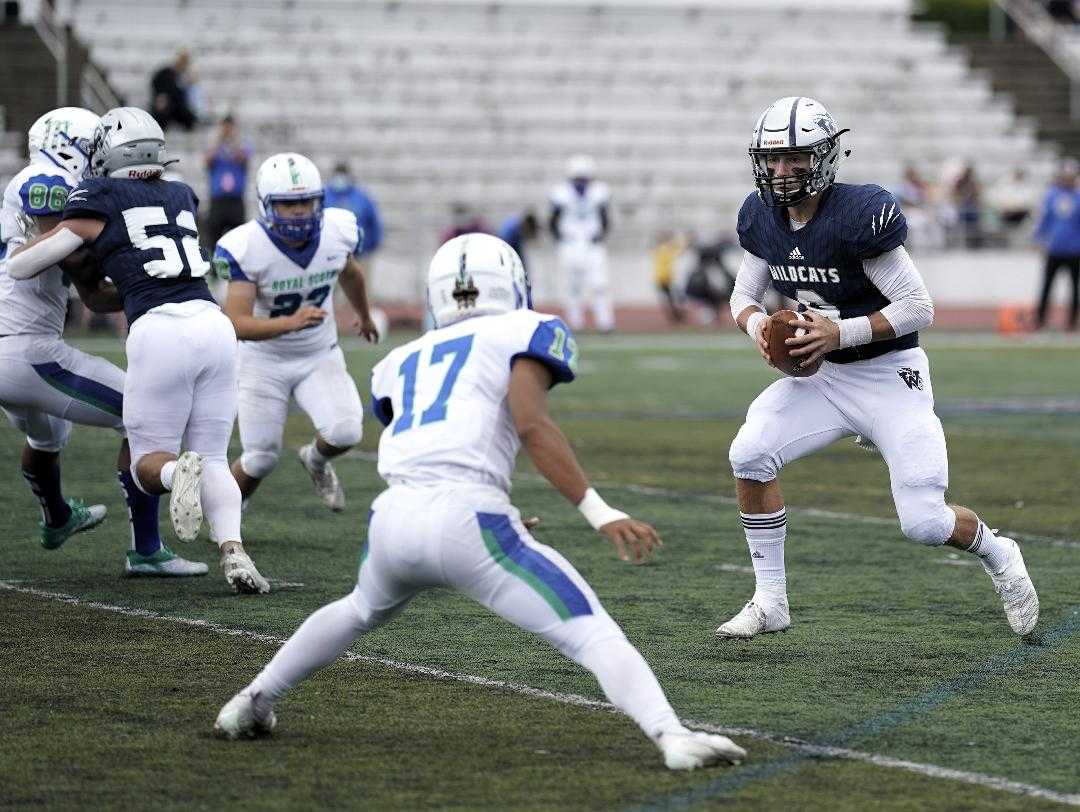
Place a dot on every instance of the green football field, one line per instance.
(899, 685)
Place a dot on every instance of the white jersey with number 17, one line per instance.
(442, 397)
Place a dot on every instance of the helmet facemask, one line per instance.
(801, 185)
(294, 229)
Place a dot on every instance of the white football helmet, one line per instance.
(128, 143)
(289, 176)
(63, 137)
(789, 125)
(581, 166)
(476, 275)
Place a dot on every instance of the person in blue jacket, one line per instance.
(1059, 234)
(344, 193)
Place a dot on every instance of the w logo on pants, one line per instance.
(912, 377)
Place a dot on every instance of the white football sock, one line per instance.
(990, 548)
(765, 534)
(315, 457)
(320, 640)
(166, 475)
(630, 684)
(220, 499)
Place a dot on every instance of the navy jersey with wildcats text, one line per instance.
(821, 265)
(149, 247)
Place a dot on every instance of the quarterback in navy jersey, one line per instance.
(181, 377)
(837, 251)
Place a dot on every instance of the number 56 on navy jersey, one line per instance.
(150, 244)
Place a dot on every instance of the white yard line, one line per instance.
(576, 700)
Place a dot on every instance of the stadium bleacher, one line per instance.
(435, 102)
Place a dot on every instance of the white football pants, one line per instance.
(46, 385)
(888, 399)
(583, 269)
(323, 388)
(181, 391)
(470, 538)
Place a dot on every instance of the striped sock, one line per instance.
(765, 534)
(992, 550)
(45, 484)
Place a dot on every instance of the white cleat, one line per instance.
(240, 717)
(326, 481)
(1013, 585)
(162, 564)
(757, 618)
(185, 504)
(690, 749)
(240, 571)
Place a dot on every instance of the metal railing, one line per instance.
(94, 90)
(1059, 43)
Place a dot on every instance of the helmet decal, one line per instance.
(475, 275)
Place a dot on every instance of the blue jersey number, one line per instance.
(459, 348)
(285, 304)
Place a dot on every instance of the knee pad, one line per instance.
(259, 464)
(924, 516)
(344, 433)
(750, 459)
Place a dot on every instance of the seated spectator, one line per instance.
(919, 201)
(1012, 198)
(169, 93)
(463, 220)
(963, 199)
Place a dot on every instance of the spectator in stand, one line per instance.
(1059, 233)
(965, 195)
(665, 253)
(519, 229)
(169, 93)
(917, 196)
(344, 193)
(226, 161)
(1012, 198)
(463, 220)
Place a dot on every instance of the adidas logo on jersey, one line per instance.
(796, 254)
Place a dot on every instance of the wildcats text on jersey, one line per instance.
(803, 273)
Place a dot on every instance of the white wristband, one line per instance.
(752, 322)
(597, 512)
(855, 332)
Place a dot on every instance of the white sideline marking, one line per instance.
(576, 700)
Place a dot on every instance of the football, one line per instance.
(776, 332)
